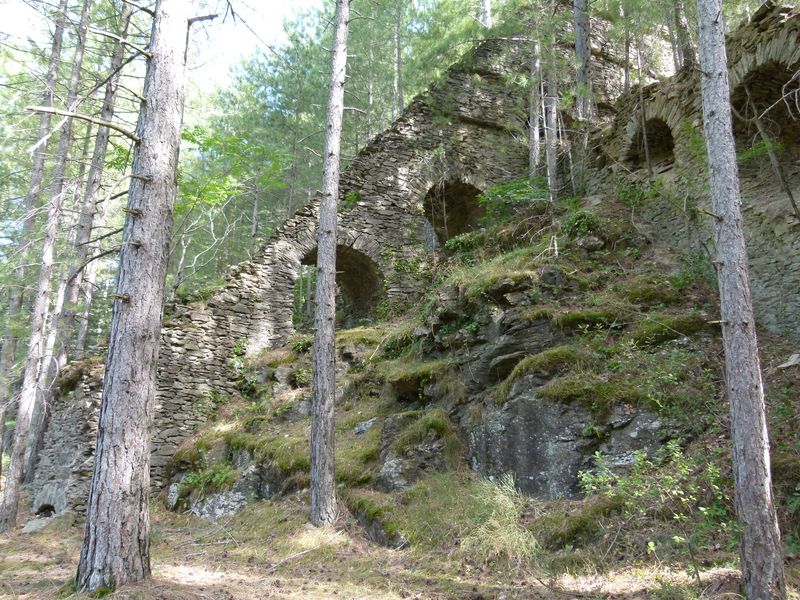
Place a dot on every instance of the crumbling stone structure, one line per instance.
(414, 186)
(764, 59)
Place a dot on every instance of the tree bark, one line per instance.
(397, 83)
(485, 13)
(116, 544)
(580, 11)
(685, 48)
(534, 113)
(551, 128)
(28, 394)
(323, 490)
(66, 324)
(761, 553)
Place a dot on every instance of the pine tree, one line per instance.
(761, 554)
(323, 490)
(116, 544)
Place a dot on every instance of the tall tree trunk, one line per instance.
(52, 360)
(485, 13)
(89, 279)
(116, 544)
(66, 319)
(580, 12)
(761, 553)
(673, 41)
(8, 351)
(642, 116)
(27, 399)
(323, 486)
(551, 127)
(685, 48)
(397, 82)
(534, 113)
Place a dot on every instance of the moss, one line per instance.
(577, 527)
(289, 454)
(547, 363)
(651, 293)
(437, 422)
(538, 313)
(663, 327)
(592, 392)
(399, 339)
(574, 319)
(408, 377)
(372, 506)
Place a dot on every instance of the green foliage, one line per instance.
(575, 319)
(579, 222)
(501, 202)
(350, 200)
(437, 423)
(593, 392)
(687, 491)
(301, 344)
(216, 477)
(759, 149)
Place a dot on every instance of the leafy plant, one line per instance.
(578, 223)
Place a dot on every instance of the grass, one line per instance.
(593, 392)
(434, 421)
(407, 376)
(574, 319)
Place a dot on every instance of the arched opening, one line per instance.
(359, 287)
(46, 510)
(660, 145)
(766, 117)
(452, 208)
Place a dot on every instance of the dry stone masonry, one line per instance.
(465, 134)
(763, 55)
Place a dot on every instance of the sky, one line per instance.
(219, 44)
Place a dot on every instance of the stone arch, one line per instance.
(359, 282)
(452, 208)
(45, 510)
(660, 144)
(767, 84)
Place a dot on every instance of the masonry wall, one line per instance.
(768, 46)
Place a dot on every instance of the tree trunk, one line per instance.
(54, 355)
(580, 11)
(27, 399)
(116, 544)
(642, 117)
(534, 114)
(551, 128)
(485, 13)
(397, 83)
(8, 351)
(89, 279)
(323, 490)
(761, 553)
(685, 48)
(66, 321)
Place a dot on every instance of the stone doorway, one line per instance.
(452, 208)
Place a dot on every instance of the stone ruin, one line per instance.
(416, 185)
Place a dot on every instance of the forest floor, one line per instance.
(269, 551)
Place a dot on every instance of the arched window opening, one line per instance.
(660, 145)
(359, 288)
(46, 510)
(452, 208)
(766, 118)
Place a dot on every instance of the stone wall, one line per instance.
(461, 130)
(763, 53)
(467, 130)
